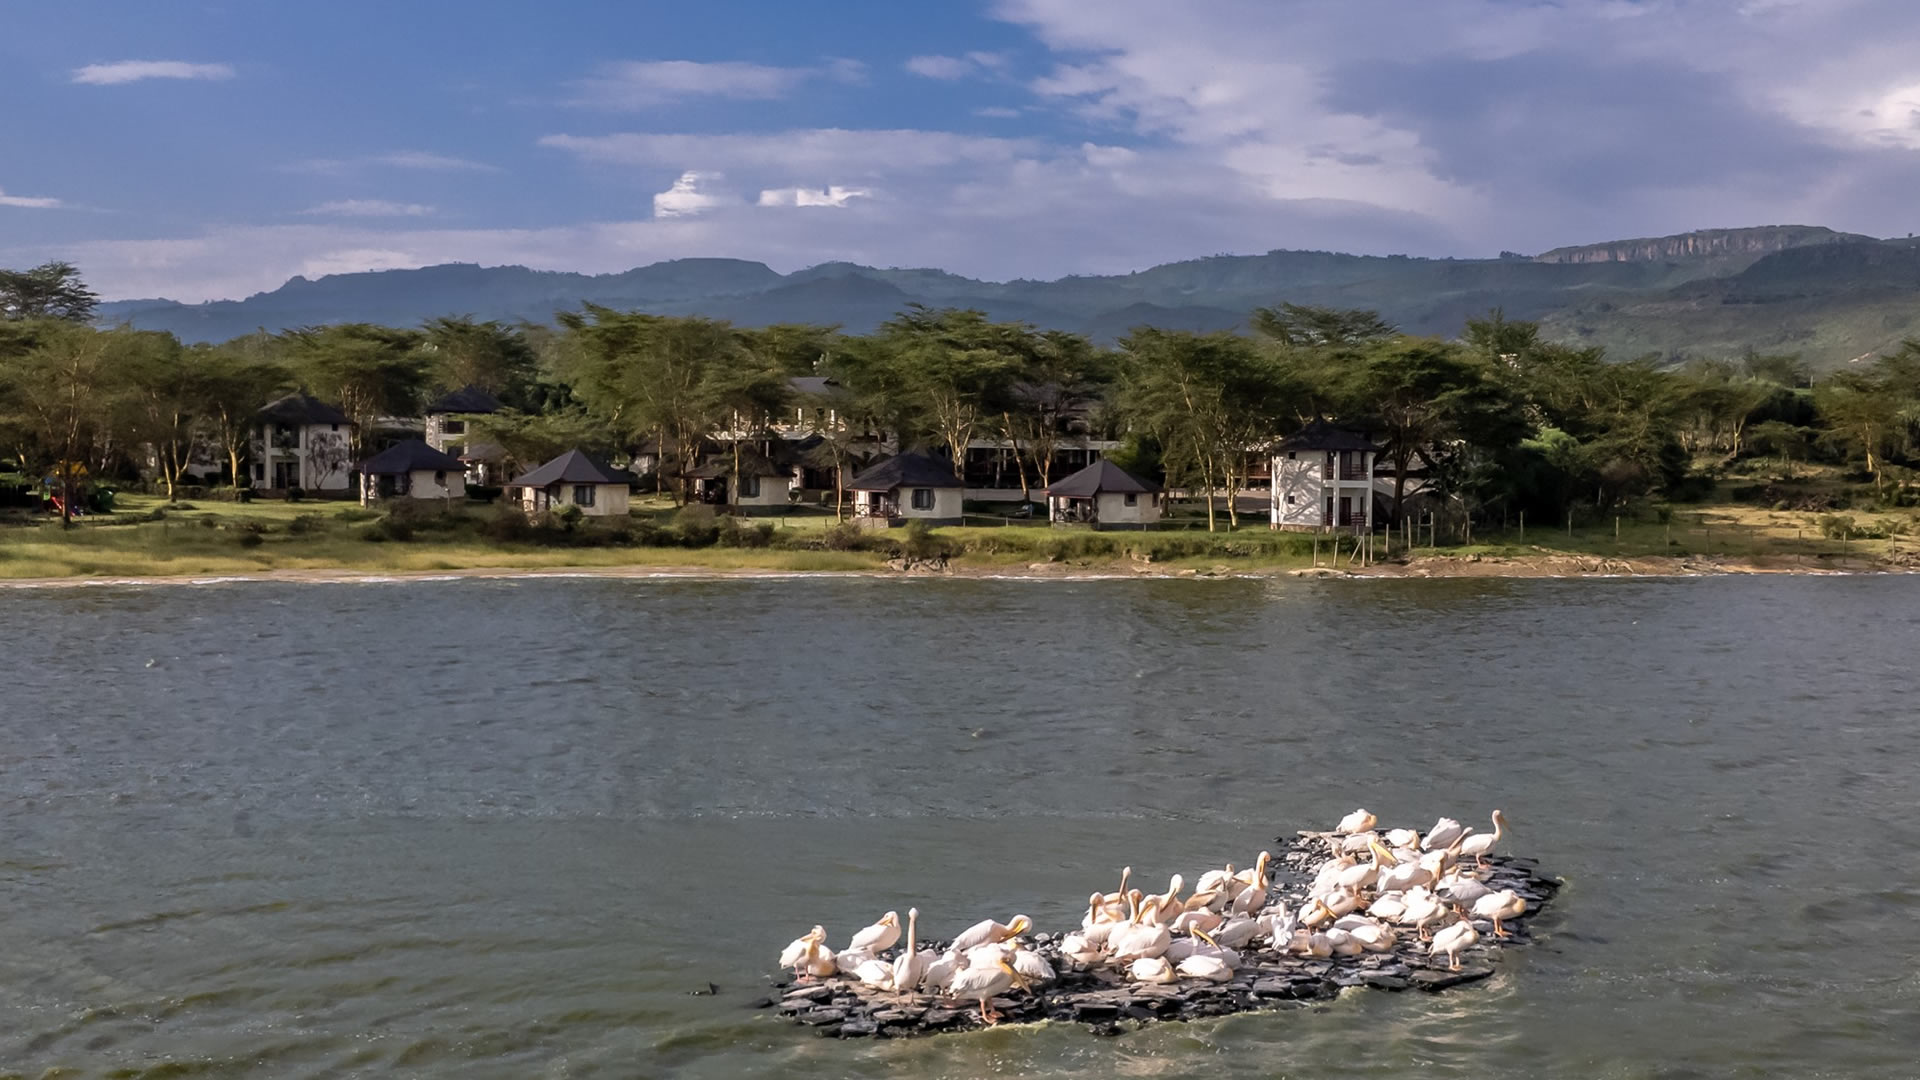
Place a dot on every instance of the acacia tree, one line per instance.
(1205, 398)
(51, 290)
(1062, 377)
(648, 375)
(954, 368)
(368, 371)
(58, 394)
(161, 400)
(491, 355)
(749, 393)
(232, 381)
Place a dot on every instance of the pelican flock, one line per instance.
(1384, 901)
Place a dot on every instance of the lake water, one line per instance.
(502, 828)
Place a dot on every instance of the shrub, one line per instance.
(1844, 527)
(695, 525)
(249, 540)
(388, 529)
(734, 533)
(306, 523)
(483, 493)
(210, 522)
(844, 536)
(295, 494)
(918, 541)
(1088, 545)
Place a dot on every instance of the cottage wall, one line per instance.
(1300, 489)
(946, 504)
(1112, 508)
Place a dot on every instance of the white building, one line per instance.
(412, 470)
(1104, 496)
(763, 487)
(573, 479)
(447, 430)
(1323, 479)
(908, 487)
(301, 442)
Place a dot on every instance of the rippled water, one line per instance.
(502, 828)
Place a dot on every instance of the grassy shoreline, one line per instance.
(328, 541)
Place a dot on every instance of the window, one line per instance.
(440, 477)
(1133, 499)
(923, 498)
(583, 495)
(259, 472)
(1291, 456)
(333, 427)
(1289, 500)
(749, 487)
(454, 427)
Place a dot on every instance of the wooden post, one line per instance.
(1316, 551)
(1523, 526)
(1616, 530)
(1669, 535)
(1569, 524)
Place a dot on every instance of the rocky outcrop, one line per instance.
(1706, 243)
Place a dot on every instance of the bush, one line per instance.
(210, 522)
(734, 533)
(844, 536)
(1844, 527)
(1088, 545)
(388, 529)
(483, 493)
(696, 526)
(307, 523)
(249, 540)
(295, 494)
(919, 542)
(355, 513)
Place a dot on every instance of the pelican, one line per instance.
(879, 937)
(875, 973)
(1151, 969)
(1443, 834)
(1142, 939)
(983, 983)
(800, 948)
(940, 972)
(1453, 940)
(1356, 822)
(1480, 845)
(1079, 949)
(1389, 906)
(988, 932)
(1402, 838)
(1422, 908)
(1167, 905)
(848, 961)
(1099, 914)
(1234, 934)
(1032, 967)
(911, 966)
(1464, 888)
(1115, 903)
(1211, 968)
(1256, 878)
(1214, 880)
(1189, 921)
(1208, 945)
(1373, 937)
(1505, 904)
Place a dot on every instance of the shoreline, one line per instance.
(1439, 566)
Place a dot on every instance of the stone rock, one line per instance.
(760, 1003)
(1381, 980)
(858, 1029)
(1441, 978)
(1096, 1011)
(823, 1016)
(936, 1018)
(811, 993)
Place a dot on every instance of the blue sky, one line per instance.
(202, 150)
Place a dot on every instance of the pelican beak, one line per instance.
(1020, 925)
(1206, 937)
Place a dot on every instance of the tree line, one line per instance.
(1496, 420)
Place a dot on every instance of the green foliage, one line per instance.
(51, 290)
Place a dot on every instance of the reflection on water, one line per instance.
(501, 828)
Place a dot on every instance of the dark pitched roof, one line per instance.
(408, 456)
(751, 464)
(303, 408)
(467, 399)
(815, 386)
(1100, 476)
(1321, 435)
(572, 467)
(911, 469)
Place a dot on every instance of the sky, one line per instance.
(203, 149)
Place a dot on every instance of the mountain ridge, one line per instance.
(1830, 294)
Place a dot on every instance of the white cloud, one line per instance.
(997, 112)
(832, 195)
(29, 202)
(368, 208)
(688, 197)
(126, 71)
(817, 155)
(950, 68)
(642, 84)
(415, 160)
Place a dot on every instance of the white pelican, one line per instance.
(1480, 845)
(1214, 880)
(1115, 903)
(1373, 937)
(879, 937)
(1032, 967)
(1443, 834)
(1166, 905)
(1188, 921)
(911, 966)
(1211, 968)
(1463, 888)
(1080, 950)
(939, 974)
(1358, 821)
(848, 961)
(1505, 904)
(875, 973)
(1234, 934)
(1356, 844)
(1142, 939)
(988, 932)
(1389, 906)
(1422, 909)
(1210, 946)
(1343, 943)
(1452, 940)
(1256, 878)
(1402, 838)
(983, 983)
(1151, 969)
(800, 948)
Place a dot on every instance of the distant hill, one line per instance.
(1829, 295)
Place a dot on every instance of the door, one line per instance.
(286, 474)
(1346, 510)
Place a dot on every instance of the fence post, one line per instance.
(1523, 527)
(1616, 530)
